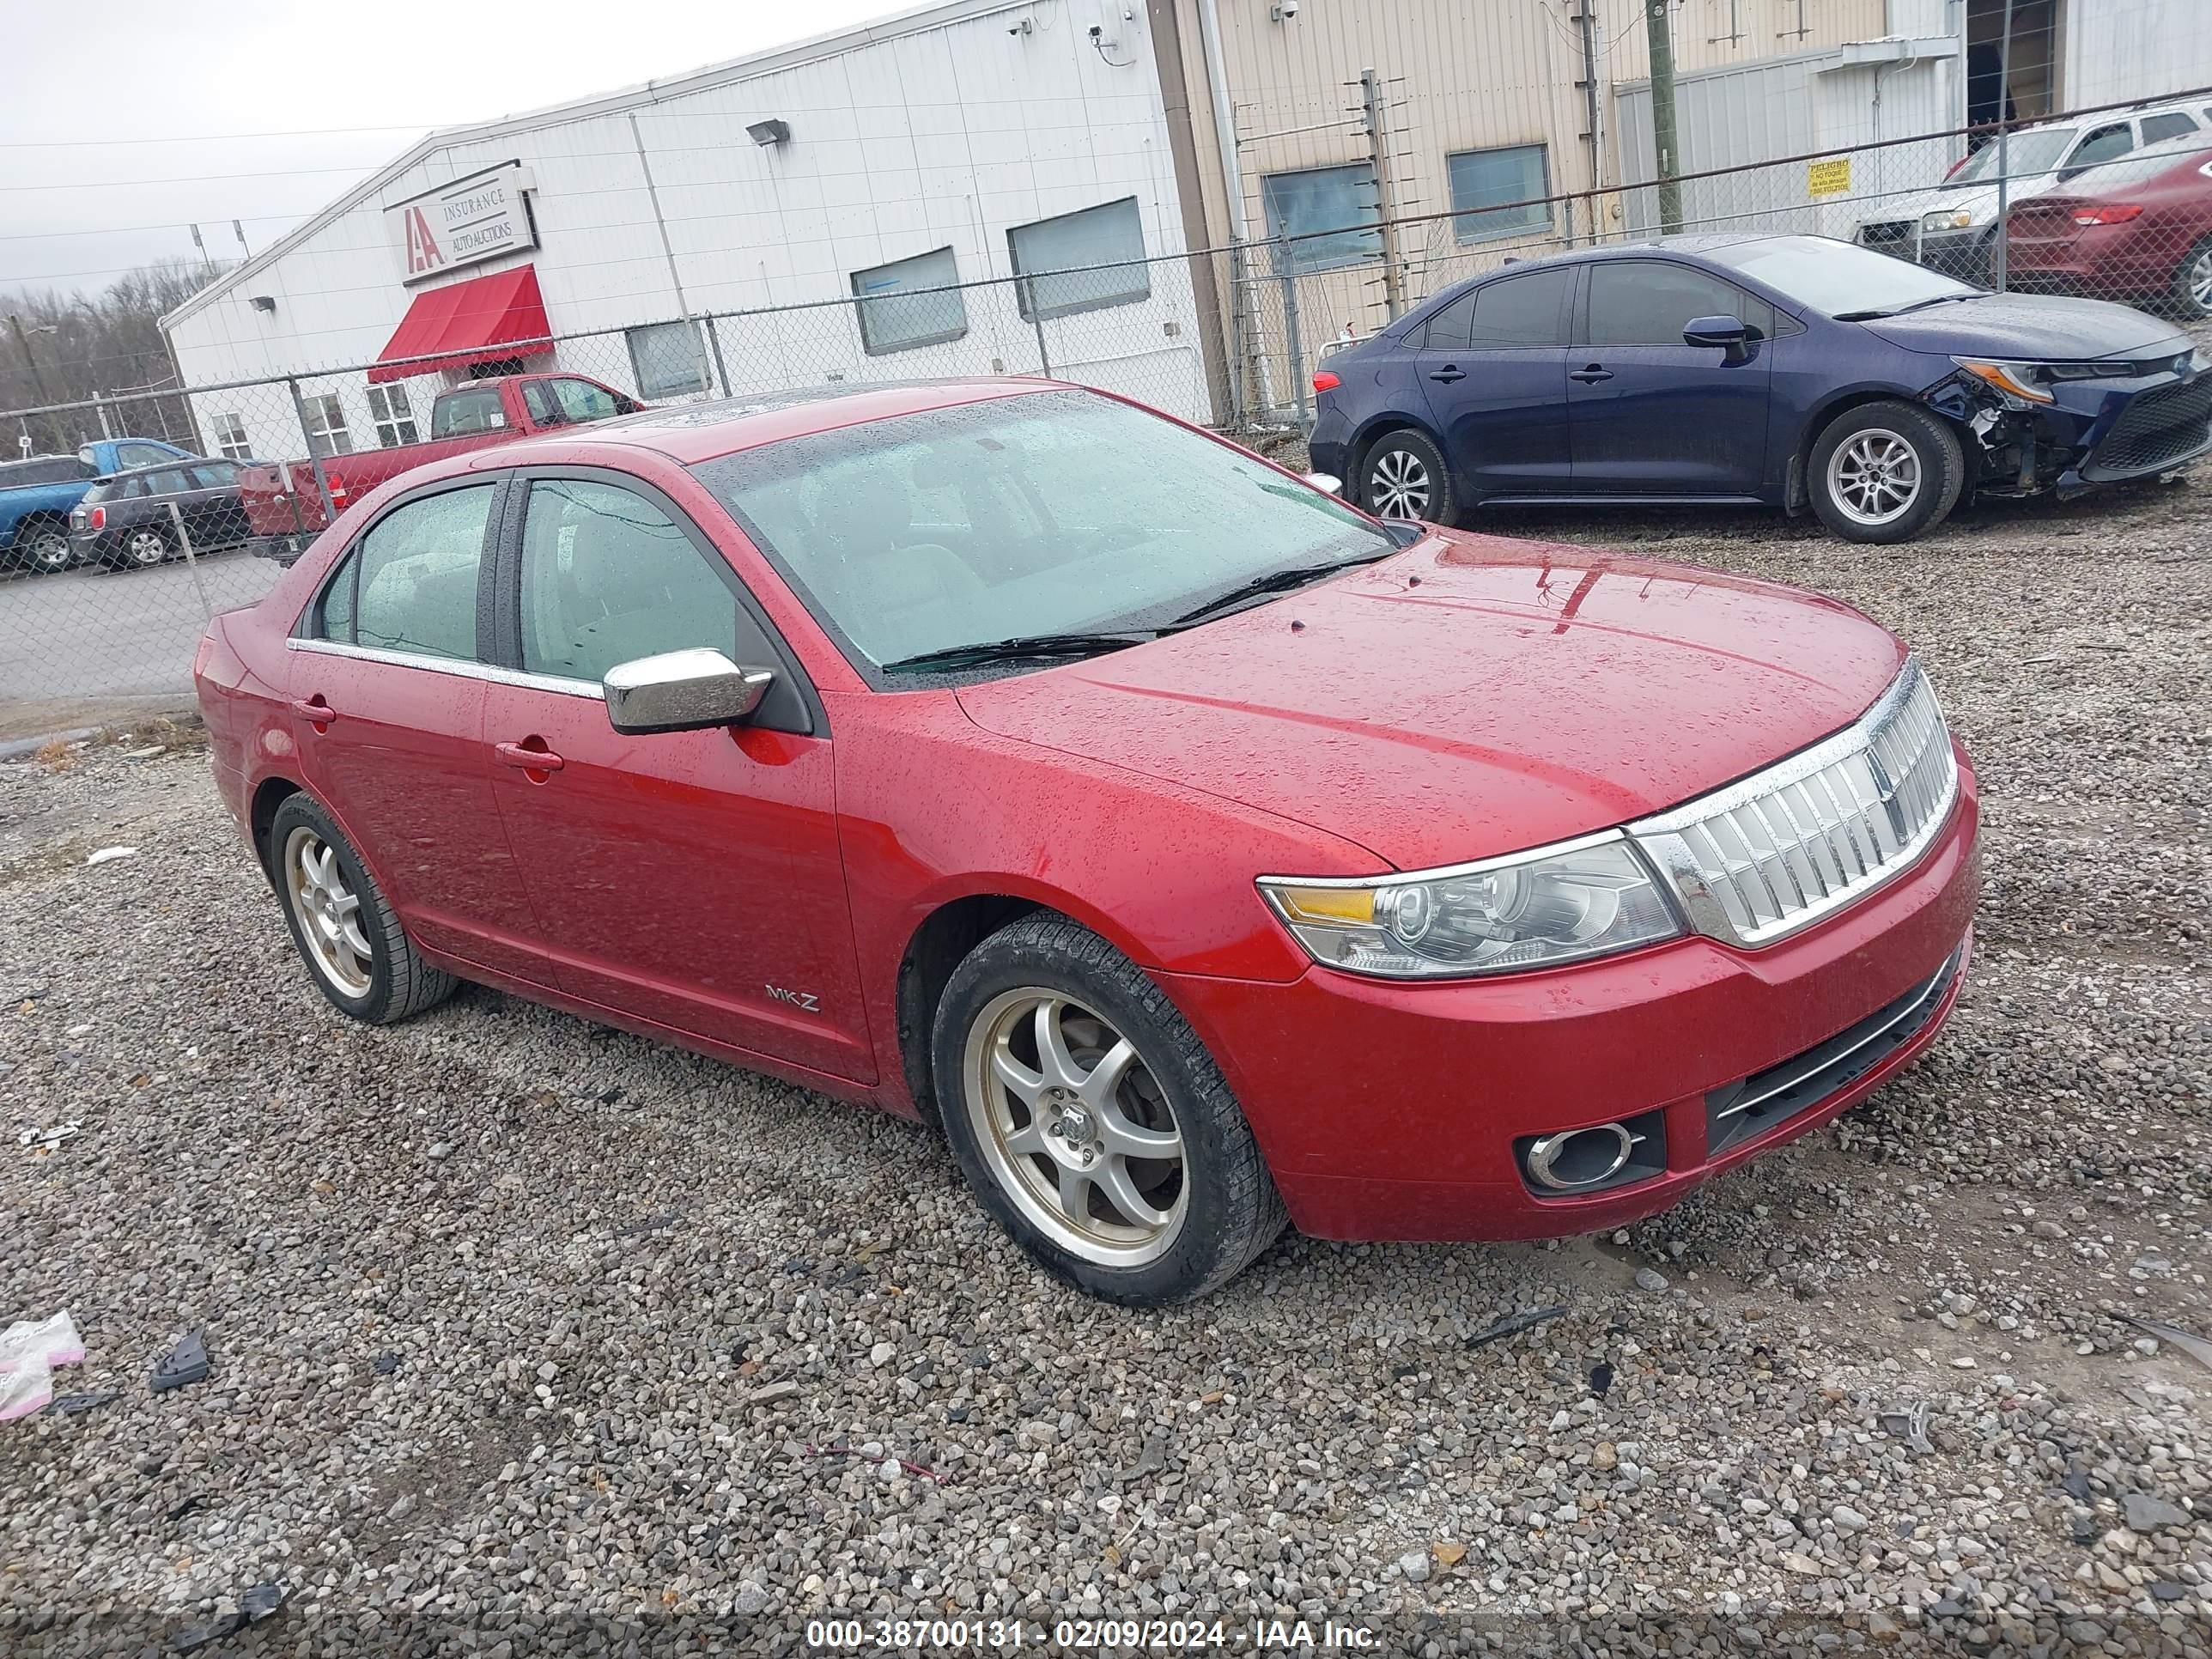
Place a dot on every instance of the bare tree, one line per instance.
(105, 349)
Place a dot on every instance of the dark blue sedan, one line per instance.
(1788, 371)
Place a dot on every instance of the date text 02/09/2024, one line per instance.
(1083, 1635)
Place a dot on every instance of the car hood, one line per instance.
(2041, 327)
(1980, 200)
(1468, 697)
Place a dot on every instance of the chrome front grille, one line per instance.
(1779, 850)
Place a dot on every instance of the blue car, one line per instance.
(1783, 371)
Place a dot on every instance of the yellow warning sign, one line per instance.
(1830, 177)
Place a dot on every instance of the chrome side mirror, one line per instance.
(1325, 483)
(682, 691)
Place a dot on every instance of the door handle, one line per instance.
(1449, 372)
(526, 758)
(1591, 375)
(315, 709)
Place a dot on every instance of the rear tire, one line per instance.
(1885, 472)
(1116, 1156)
(143, 549)
(342, 925)
(2192, 282)
(46, 548)
(1403, 475)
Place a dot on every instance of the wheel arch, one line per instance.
(1800, 461)
(270, 793)
(1378, 427)
(937, 944)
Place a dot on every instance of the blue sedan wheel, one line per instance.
(1403, 477)
(1885, 472)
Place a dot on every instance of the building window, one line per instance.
(1326, 199)
(1051, 257)
(326, 424)
(669, 359)
(895, 317)
(1481, 179)
(230, 436)
(395, 422)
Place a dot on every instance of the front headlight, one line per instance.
(1533, 909)
(2017, 381)
(1947, 219)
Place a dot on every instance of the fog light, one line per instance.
(1576, 1158)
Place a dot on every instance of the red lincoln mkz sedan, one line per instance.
(1193, 849)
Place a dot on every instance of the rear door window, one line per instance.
(1651, 301)
(1447, 329)
(2102, 144)
(214, 475)
(538, 402)
(459, 413)
(1521, 311)
(411, 584)
(2171, 124)
(170, 481)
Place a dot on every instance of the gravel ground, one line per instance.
(528, 1336)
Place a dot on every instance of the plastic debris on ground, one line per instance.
(2196, 1347)
(1513, 1322)
(186, 1362)
(109, 854)
(255, 1605)
(29, 1351)
(42, 1141)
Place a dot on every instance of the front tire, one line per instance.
(1091, 1121)
(343, 928)
(1403, 475)
(1885, 472)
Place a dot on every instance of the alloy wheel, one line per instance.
(145, 547)
(1399, 486)
(50, 550)
(1076, 1129)
(2200, 281)
(328, 912)
(1874, 476)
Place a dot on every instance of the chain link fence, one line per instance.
(139, 515)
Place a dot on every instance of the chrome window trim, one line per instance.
(453, 665)
(1660, 836)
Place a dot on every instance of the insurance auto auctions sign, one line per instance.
(471, 220)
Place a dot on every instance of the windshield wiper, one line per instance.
(986, 652)
(1274, 581)
(1899, 311)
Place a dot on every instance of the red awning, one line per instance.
(463, 324)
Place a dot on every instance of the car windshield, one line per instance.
(1048, 512)
(2026, 155)
(1833, 277)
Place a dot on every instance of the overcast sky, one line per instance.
(75, 210)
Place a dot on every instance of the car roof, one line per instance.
(691, 433)
(171, 465)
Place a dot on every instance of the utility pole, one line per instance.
(2001, 236)
(1663, 116)
(1376, 113)
(23, 344)
(1588, 88)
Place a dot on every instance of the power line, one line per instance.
(196, 178)
(171, 224)
(208, 137)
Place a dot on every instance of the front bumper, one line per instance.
(1393, 1111)
(2096, 432)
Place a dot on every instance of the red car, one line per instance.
(2137, 228)
(1193, 849)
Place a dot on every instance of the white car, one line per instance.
(1951, 227)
